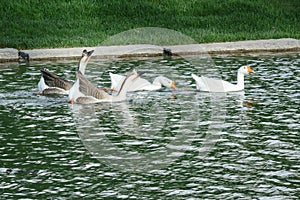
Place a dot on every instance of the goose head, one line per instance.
(86, 55)
(165, 82)
(245, 70)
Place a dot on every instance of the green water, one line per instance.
(154, 146)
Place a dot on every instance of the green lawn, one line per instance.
(31, 24)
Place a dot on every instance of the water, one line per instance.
(156, 145)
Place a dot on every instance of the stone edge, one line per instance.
(139, 50)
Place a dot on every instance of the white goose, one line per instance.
(141, 84)
(213, 85)
(84, 92)
(50, 83)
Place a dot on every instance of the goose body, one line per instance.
(50, 83)
(85, 92)
(141, 84)
(214, 85)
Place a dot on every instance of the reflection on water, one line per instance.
(148, 135)
(197, 145)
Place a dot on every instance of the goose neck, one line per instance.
(81, 66)
(157, 81)
(240, 79)
(127, 82)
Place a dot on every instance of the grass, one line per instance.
(31, 24)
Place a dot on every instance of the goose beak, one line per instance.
(250, 70)
(173, 85)
(72, 101)
(89, 53)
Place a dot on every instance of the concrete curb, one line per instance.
(271, 45)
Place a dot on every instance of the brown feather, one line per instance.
(89, 89)
(52, 80)
(53, 91)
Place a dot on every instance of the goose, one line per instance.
(85, 92)
(141, 84)
(214, 85)
(50, 83)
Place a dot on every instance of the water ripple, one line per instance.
(194, 146)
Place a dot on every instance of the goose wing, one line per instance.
(89, 89)
(52, 80)
(117, 80)
(213, 85)
(140, 84)
(200, 83)
(209, 84)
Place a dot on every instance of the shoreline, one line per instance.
(144, 50)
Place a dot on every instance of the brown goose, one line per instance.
(84, 92)
(52, 84)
